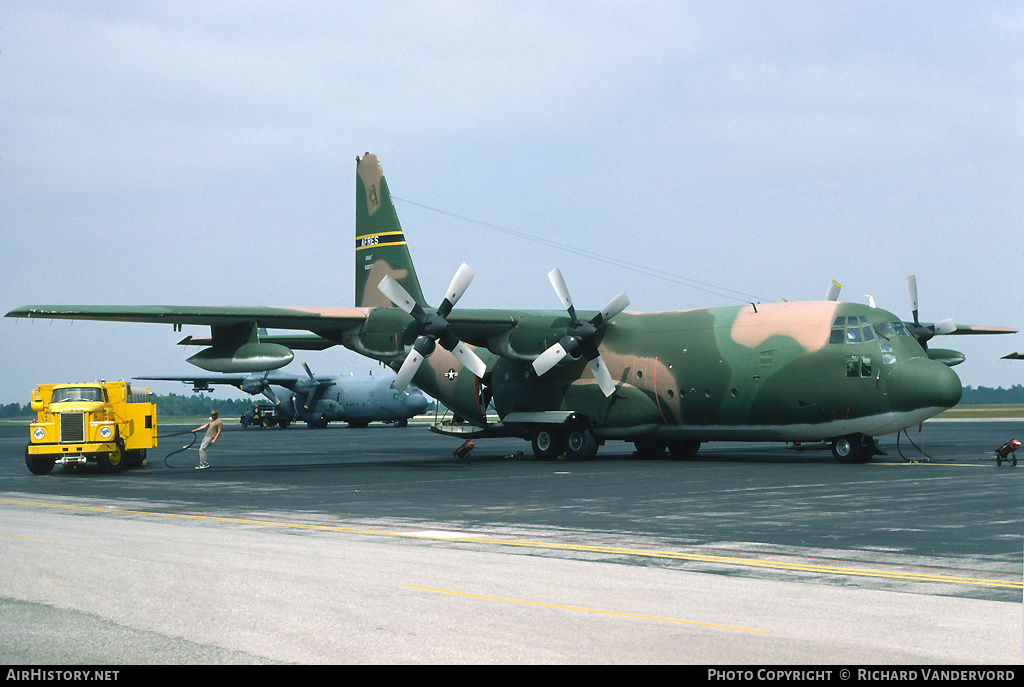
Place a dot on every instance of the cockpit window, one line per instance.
(855, 329)
(885, 329)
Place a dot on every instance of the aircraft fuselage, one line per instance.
(797, 371)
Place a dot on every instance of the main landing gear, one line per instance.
(853, 448)
(574, 441)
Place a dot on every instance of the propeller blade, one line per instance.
(614, 307)
(833, 291)
(548, 359)
(912, 292)
(460, 282)
(465, 355)
(308, 372)
(269, 393)
(396, 293)
(408, 370)
(603, 376)
(555, 277)
(309, 399)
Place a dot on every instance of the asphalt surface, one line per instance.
(374, 546)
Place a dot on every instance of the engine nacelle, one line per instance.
(946, 356)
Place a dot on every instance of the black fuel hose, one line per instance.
(183, 448)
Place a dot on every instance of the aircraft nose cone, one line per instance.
(921, 383)
(416, 404)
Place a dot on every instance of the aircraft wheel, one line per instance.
(580, 444)
(547, 444)
(38, 466)
(853, 448)
(684, 449)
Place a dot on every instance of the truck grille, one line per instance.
(72, 428)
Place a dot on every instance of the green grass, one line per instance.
(978, 412)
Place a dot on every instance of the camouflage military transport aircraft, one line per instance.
(320, 400)
(571, 380)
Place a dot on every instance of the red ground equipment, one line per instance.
(1008, 452)
(462, 452)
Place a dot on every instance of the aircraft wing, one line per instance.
(236, 345)
(296, 342)
(249, 383)
(962, 329)
(477, 326)
(1014, 356)
(310, 319)
(199, 381)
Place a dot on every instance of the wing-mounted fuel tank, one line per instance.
(237, 348)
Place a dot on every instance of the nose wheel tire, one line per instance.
(853, 448)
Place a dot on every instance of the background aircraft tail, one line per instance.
(380, 244)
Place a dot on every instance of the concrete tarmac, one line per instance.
(374, 546)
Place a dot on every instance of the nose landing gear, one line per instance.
(853, 448)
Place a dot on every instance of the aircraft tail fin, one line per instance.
(380, 243)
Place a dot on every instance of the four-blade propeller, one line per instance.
(432, 328)
(580, 337)
(256, 385)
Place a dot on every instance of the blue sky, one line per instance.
(204, 153)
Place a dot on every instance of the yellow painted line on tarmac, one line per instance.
(16, 536)
(715, 559)
(585, 610)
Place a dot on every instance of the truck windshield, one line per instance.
(77, 393)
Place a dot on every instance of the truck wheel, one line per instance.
(38, 466)
(547, 444)
(115, 461)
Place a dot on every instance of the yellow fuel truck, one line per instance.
(105, 422)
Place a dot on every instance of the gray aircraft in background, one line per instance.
(320, 400)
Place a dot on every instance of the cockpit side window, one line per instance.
(859, 366)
